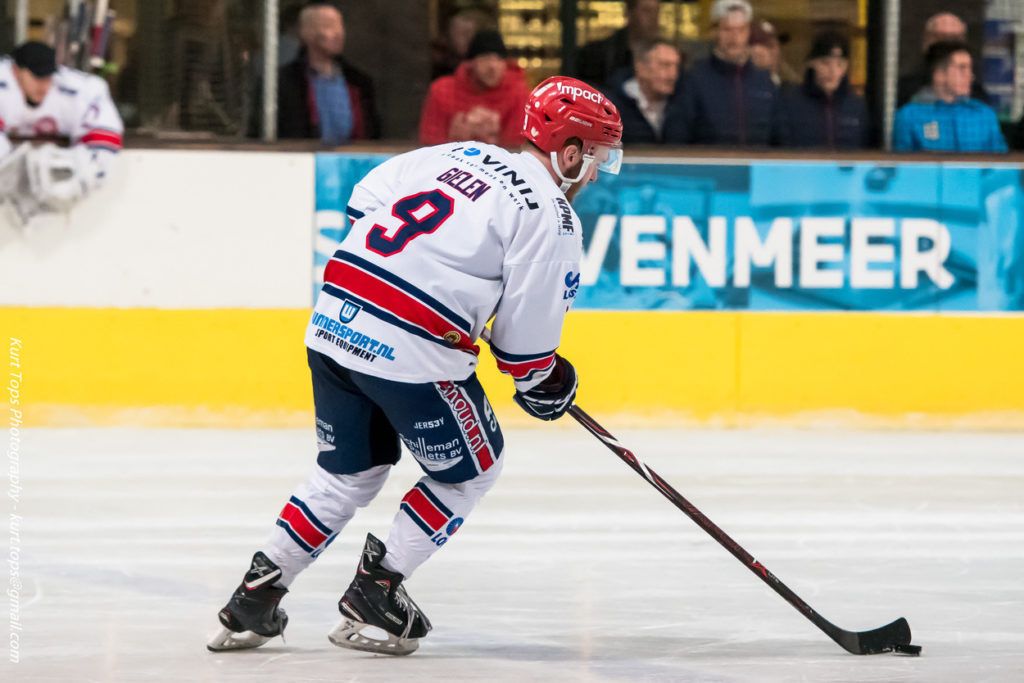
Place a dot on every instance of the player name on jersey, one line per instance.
(464, 182)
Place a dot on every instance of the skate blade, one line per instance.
(227, 640)
(350, 634)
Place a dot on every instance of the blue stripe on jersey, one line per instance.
(416, 518)
(518, 358)
(384, 315)
(528, 376)
(310, 516)
(410, 289)
(355, 213)
(322, 548)
(433, 499)
(295, 537)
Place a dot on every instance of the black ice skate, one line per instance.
(377, 615)
(252, 616)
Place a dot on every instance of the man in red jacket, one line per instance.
(484, 100)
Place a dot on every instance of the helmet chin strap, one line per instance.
(569, 182)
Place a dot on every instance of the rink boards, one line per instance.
(179, 296)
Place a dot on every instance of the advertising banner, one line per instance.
(778, 235)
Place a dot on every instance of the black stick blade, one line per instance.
(894, 637)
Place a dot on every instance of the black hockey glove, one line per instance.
(550, 399)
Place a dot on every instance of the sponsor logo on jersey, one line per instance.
(350, 340)
(518, 183)
(324, 436)
(471, 152)
(349, 311)
(469, 424)
(577, 92)
(454, 525)
(429, 424)
(435, 457)
(565, 223)
(45, 127)
(494, 168)
(572, 285)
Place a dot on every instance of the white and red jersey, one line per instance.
(78, 106)
(445, 238)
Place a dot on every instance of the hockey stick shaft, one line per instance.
(891, 637)
(691, 511)
(844, 639)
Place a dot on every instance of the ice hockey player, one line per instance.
(443, 239)
(43, 103)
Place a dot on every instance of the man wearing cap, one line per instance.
(824, 111)
(727, 100)
(40, 101)
(766, 52)
(483, 100)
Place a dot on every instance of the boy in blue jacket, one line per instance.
(943, 117)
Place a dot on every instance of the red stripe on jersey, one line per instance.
(427, 511)
(395, 301)
(302, 526)
(524, 368)
(483, 453)
(104, 137)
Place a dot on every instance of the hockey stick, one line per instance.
(894, 637)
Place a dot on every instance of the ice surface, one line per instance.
(572, 569)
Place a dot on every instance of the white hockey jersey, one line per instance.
(445, 238)
(78, 106)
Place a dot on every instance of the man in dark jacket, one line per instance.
(823, 111)
(726, 99)
(650, 94)
(597, 61)
(320, 95)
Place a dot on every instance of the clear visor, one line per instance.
(608, 159)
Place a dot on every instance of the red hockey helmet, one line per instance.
(562, 108)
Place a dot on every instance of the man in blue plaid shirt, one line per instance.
(943, 117)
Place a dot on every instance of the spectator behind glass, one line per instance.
(940, 28)
(288, 42)
(484, 100)
(450, 51)
(943, 117)
(320, 95)
(597, 61)
(766, 53)
(650, 94)
(726, 99)
(824, 111)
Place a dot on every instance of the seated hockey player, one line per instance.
(41, 104)
(443, 239)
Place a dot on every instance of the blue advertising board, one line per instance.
(779, 235)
